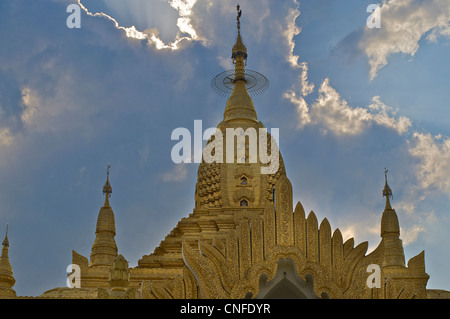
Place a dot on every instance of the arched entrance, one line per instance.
(286, 284)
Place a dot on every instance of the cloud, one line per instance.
(403, 24)
(30, 102)
(177, 174)
(307, 87)
(367, 229)
(412, 216)
(334, 115)
(411, 234)
(6, 137)
(290, 32)
(383, 115)
(184, 8)
(303, 116)
(130, 32)
(144, 154)
(433, 153)
(55, 112)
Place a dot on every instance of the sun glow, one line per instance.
(186, 31)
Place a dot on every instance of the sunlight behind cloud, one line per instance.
(184, 8)
(138, 12)
(292, 29)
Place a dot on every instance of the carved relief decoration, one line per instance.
(233, 267)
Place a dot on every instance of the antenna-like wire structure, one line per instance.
(223, 83)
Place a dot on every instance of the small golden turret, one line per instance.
(390, 232)
(7, 280)
(104, 249)
(389, 220)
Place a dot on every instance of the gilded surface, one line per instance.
(339, 269)
(226, 250)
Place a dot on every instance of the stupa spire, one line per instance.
(390, 232)
(389, 220)
(104, 249)
(7, 280)
(239, 105)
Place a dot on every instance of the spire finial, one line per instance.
(107, 189)
(239, 82)
(239, 51)
(387, 192)
(239, 13)
(6, 241)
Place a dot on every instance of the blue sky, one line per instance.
(348, 100)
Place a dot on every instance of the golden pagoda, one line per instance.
(244, 239)
(7, 280)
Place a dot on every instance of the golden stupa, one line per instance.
(244, 239)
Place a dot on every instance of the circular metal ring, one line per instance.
(223, 83)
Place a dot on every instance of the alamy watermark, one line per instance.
(374, 279)
(374, 20)
(256, 148)
(74, 18)
(73, 276)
